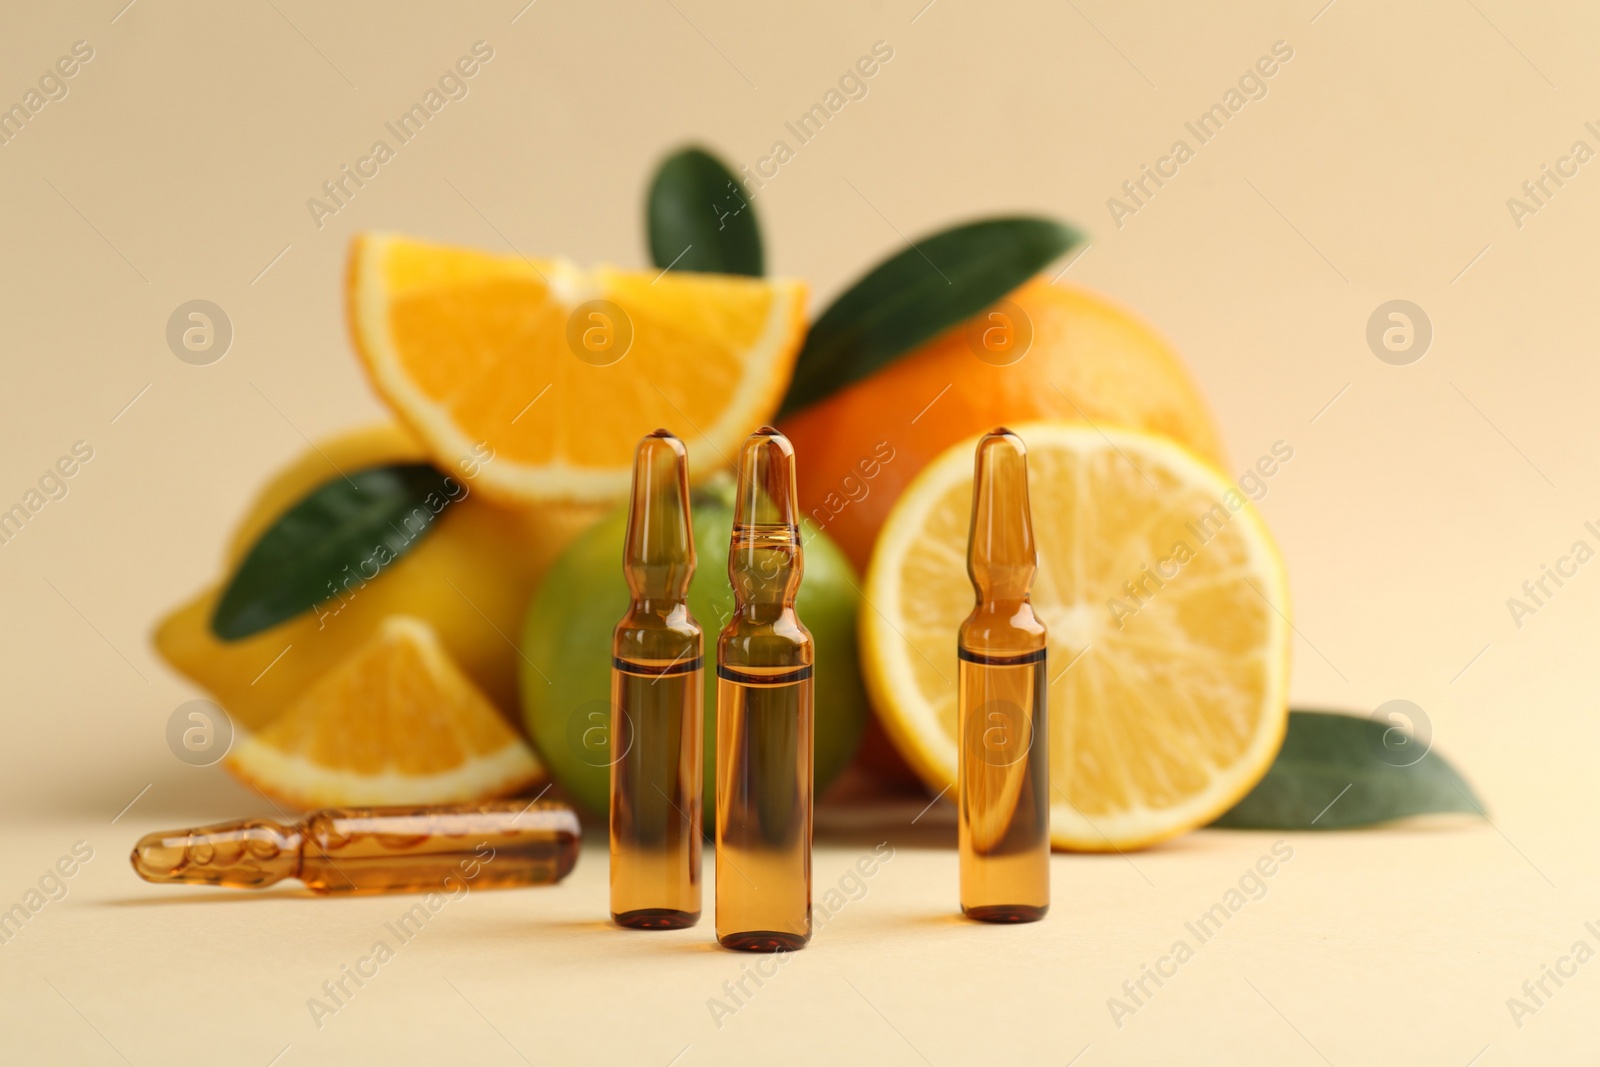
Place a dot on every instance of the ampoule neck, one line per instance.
(1005, 607)
(661, 607)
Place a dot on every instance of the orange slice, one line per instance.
(395, 723)
(558, 370)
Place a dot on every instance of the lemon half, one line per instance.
(1168, 613)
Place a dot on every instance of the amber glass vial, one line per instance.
(1004, 773)
(656, 693)
(764, 716)
(374, 850)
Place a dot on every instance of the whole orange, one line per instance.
(1045, 352)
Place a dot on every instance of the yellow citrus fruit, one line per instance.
(470, 578)
(397, 722)
(1167, 608)
(1046, 352)
(562, 370)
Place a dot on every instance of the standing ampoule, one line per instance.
(764, 715)
(656, 693)
(1004, 773)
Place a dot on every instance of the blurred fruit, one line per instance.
(397, 722)
(1088, 359)
(566, 675)
(470, 579)
(1169, 664)
(462, 344)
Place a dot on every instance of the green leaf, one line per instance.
(941, 280)
(362, 522)
(700, 218)
(1335, 771)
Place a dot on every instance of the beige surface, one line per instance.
(1377, 167)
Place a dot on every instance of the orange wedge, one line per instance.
(395, 723)
(559, 370)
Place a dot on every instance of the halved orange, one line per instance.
(557, 371)
(396, 723)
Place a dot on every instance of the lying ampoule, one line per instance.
(374, 850)
(1004, 762)
(656, 712)
(764, 716)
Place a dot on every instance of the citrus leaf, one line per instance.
(361, 522)
(910, 297)
(700, 218)
(1336, 771)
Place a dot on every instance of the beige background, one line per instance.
(1420, 497)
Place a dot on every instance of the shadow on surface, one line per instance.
(204, 897)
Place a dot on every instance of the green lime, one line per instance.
(566, 646)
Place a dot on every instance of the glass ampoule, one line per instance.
(374, 850)
(764, 715)
(656, 711)
(1004, 771)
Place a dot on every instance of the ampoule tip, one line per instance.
(766, 493)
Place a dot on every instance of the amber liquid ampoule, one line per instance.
(656, 693)
(375, 850)
(764, 716)
(1004, 773)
